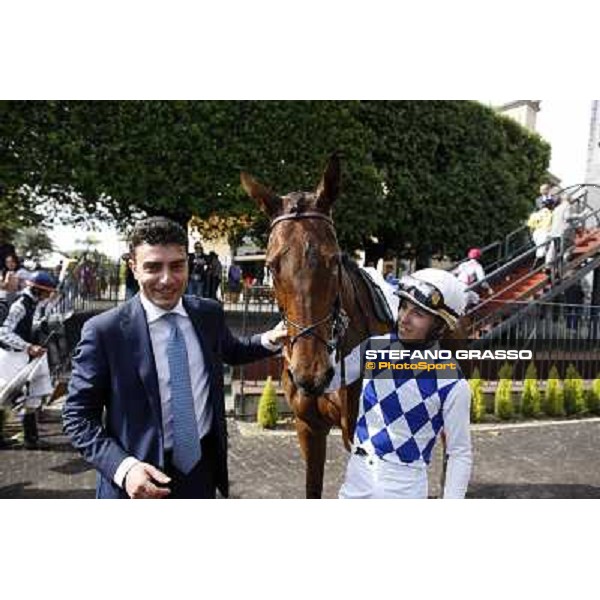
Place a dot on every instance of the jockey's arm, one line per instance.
(458, 439)
(353, 369)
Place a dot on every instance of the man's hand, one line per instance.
(141, 482)
(35, 351)
(278, 334)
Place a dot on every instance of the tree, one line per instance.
(554, 402)
(33, 243)
(16, 214)
(574, 394)
(593, 396)
(180, 158)
(531, 397)
(456, 175)
(423, 178)
(267, 406)
(477, 398)
(503, 402)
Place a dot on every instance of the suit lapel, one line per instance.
(136, 331)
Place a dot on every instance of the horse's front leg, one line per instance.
(313, 444)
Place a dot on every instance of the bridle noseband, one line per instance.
(337, 315)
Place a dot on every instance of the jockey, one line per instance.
(17, 349)
(404, 406)
(471, 272)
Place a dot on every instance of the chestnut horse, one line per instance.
(326, 307)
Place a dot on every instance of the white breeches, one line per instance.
(539, 237)
(369, 477)
(38, 382)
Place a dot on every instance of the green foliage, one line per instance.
(574, 394)
(16, 213)
(404, 163)
(440, 158)
(554, 404)
(593, 397)
(32, 243)
(477, 398)
(267, 406)
(531, 397)
(503, 402)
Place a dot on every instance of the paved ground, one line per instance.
(538, 460)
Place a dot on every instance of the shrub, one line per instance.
(503, 403)
(554, 403)
(267, 406)
(593, 396)
(573, 392)
(477, 399)
(531, 397)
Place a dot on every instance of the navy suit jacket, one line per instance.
(113, 408)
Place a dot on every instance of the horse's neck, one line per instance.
(357, 303)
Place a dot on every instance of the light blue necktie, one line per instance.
(186, 443)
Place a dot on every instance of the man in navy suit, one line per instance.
(130, 382)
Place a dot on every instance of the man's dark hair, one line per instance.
(157, 231)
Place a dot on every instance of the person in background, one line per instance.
(197, 269)
(17, 349)
(131, 285)
(470, 272)
(214, 270)
(12, 278)
(545, 199)
(562, 234)
(234, 282)
(539, 224)
(390, 277)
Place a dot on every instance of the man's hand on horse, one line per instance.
(35, 351)
(278, 334)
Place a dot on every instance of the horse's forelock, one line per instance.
(299, 202)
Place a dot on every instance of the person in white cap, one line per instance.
(17, 348)
(403, 411)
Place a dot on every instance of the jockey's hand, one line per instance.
(278, 334)
(146, 481)
(35, 351)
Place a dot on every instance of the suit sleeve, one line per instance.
(238, 351)
(82, 414)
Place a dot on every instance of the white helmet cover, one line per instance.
(436, 291)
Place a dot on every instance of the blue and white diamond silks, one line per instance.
(401, 412)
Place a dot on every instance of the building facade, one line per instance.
(592, 171)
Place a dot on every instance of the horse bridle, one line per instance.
(337, 315)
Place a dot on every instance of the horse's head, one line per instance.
(304, 258)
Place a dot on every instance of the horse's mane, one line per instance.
(350, 263)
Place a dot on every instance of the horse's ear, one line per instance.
(268, 202)
(329, 187)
